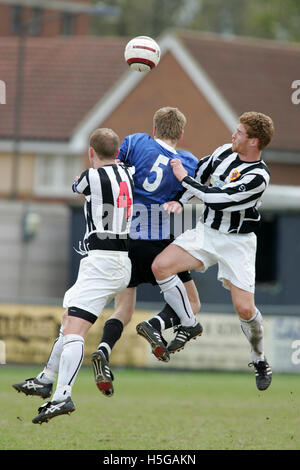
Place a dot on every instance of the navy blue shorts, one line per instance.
(142, 254)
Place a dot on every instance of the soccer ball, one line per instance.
(142, 54)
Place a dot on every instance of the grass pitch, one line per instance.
(155, 410)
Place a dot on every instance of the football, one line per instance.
(142, 54)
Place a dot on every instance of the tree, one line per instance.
(148, 17)
(273, 19)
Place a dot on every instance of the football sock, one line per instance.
(176, 296)
(70, 363)
(112, 332)
(165, 319)
(48, 374)
(254, 331)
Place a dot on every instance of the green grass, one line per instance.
(154, 410)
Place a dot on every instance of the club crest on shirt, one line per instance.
(234, 175)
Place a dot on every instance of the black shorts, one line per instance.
(142, 254)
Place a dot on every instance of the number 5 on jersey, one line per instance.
(161, 160)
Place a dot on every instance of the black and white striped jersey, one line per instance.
(231, 190)
(108, 206)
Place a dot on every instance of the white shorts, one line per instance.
(102, 275)
(234, 253)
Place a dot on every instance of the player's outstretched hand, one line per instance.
(178, 169)
(173, 207)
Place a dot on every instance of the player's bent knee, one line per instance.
(244, 311)
(156, 267)
(160, 267)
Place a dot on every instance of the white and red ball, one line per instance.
(142, 54)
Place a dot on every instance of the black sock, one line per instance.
(112, 331)
(169, 317)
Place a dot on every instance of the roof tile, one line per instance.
(253, 75)
(63, 79)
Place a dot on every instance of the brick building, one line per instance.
(45, 21)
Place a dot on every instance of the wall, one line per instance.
(5, 170)
(36, 269)
(25, 173)
(283, 173)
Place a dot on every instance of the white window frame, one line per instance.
(57, 187)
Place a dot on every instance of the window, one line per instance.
(36, 16)
(266, 256)
(17, 17)
(68, 22)
(54, 174)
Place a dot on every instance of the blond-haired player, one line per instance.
(230, 182)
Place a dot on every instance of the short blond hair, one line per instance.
(169, 123)
(105, 142)
(258, 125)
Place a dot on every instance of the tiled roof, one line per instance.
(63, 79)
(253, 75)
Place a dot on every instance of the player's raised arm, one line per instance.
(232, 196)
(202, 173)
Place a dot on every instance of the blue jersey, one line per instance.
(154, 183)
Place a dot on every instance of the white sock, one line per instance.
(176, 296)
(106, 347)
(47, 376)
(70, 363)
(254, 331)
(49, 373)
